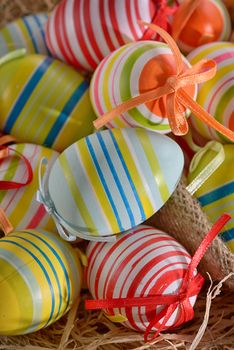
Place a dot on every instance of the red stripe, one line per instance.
(138, 16)
(78, 28)
(130, 22)
(115, 23)
(89, 28)
(97, 247)
(127, 260)
(159, 288)
(108, 254)
(58, 25)
(163, 282)
(104, 26)
(74, 61)
(160, 282)
(37, 218)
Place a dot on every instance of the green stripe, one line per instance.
(223, 102)
(154, 165)
(76, 194)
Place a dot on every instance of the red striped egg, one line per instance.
(83, 32)
(144, 261)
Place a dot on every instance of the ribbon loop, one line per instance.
(174, 89)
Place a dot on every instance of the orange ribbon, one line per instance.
(5, 223)
(175, 92)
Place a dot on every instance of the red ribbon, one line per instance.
(163, 11)
(5, 152)
(190, 286)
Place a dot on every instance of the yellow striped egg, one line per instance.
(217, 94)
(27, 32)
(130, 71)
(44, 101)
(216, 195)
(40, 278)
(113, 180)
(20, 205)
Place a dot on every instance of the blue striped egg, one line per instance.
(26, 32)
(40, 277)
(44, 101)
(113, 180)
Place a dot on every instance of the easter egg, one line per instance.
(27, 32)
(126, 73)
(208, 22)
(41, 278)
(20, 204)
(82, 33)
(113, 180)
(44, 101)
(216, 95)
(216, 195)
(142, 262)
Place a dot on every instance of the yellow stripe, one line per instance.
(230, 245)
(154, 164)
(106, 95)
(36, 103)
(209, 50)
(76, 194)
(6, 34)
(97, 186)
(144, 198)
(26, 36)
(82, 116)
(17, 215)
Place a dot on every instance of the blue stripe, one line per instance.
(227, 235)
(27, 25)
(42, 29)
(26, 93)
(44, 271)
(65, 113)
(60, 261)
(143, 217)
(117, 181)
(217, 194)
(102, 178)
(51, 266)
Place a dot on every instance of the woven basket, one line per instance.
(183, 218)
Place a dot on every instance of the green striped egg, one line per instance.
(216, 95)
(129, 71)
(44, 101)
(26, 32)
(20, 205)
(113, 180)
(216, 195)
(40, 278)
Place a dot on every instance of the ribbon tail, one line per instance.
(166, 313)
(177, 121)
(129, 104)
(203, 115)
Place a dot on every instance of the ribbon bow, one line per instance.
(66, 230)
(174, 90)
(163, 11)
(190, 286)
